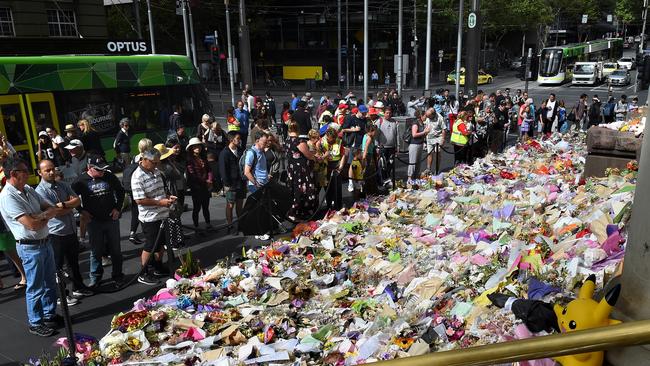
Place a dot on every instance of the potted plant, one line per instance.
(189, 268)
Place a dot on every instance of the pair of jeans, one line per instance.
(40, 293)
(104, 234)
(66, 248)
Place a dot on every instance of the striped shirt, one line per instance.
(149, 185)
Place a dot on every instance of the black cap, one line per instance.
(97, 161)
(502, 102)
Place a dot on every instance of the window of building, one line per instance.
(6, 23)
(62, 23)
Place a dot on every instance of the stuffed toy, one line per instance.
(581, 313)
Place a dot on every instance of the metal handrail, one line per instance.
(590, 340)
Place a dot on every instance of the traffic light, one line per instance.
(214, 54)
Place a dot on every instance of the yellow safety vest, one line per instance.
(232, 127)
(335, 149)
(457, 137)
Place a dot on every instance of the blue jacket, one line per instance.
(294, 103)
(242, 116)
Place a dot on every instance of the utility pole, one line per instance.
(354, 65)
(473, 46)
(187, 39)
(193, 45)
(216, 43)
(645, 17)
(414, 82)
(244, 45)
(138, 25)
(459, 45)
(530, 54)
(398, 78)
(347, 46)
(231, 61)
(151, 35)
(427, 54)
(338, 58)
(365, 50)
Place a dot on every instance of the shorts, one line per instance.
(433, 146)
(150, 231)
(233, 195)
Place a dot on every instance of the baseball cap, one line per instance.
(69, 127)
(363, 108)
(98, 162)
(379, 104)
(503, 102)
(42, 133)
(372, 110)
(355, 110)
(74, 143)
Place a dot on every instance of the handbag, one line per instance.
(175, 232)
(572, 116)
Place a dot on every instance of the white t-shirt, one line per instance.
(550, 106)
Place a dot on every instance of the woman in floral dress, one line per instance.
(301, 176)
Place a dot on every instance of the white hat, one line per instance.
(379, 104)
(74, 143)
(193, 141)
(42, 133)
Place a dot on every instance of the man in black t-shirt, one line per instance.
(302, 118)
(102, 196)
(499, 127)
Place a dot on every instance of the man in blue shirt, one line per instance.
(26, 215)
(62, 228)
(255, 163)
(294, 101)
(243, 117)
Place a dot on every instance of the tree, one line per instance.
(501, 17)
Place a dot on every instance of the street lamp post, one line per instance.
(365, 50)
(427, 55)
(151, 36)
(354, 66)
(459, 45)
(187, 39)
(231, 61)
(530, 54)
(338, 58)
(398, 78)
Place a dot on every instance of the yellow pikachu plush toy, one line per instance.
(584, 313)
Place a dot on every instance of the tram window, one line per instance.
(42, 115)
(13, 124)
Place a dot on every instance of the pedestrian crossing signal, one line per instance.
(214, 54)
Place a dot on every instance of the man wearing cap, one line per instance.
(26, 215)
(179, 136)
(58, 144)
(78, 160)
(355, 125)
(153, 208)
(62, 227)
(102, 196)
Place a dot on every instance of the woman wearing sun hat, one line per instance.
(170, 171)
(199, 180)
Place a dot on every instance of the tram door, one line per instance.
(21, 117)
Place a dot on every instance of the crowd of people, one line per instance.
(310, 145)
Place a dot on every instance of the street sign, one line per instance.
(209, 39)
(584, 18)
(609, 18)
(441, 53)
(344, 51)
(471, 20)
(179, 7)
(440, 60)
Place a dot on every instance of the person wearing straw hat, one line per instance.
(199, 179)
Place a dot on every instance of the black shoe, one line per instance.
(54, 322)
(133, 238)
(41, 330)
(161, 272)
(148, 280)
(118, 282)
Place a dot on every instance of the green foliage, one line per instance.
(189, 266)
(628, 11)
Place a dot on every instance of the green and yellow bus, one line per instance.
(556, 63)
(51, 91)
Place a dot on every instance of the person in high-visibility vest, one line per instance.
(335, 157)
(460, 138)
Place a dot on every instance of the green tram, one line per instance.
(556, 63)
(51, 91)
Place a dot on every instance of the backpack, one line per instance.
(608, 110)
(242, 163)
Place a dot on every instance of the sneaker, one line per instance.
(93, 284)
(53, 322)
(263, 237)
(118, 282)
(77, 294)
(350, 186)
(148, 280)
(161, 272)
(133, 238)
(70, 300)
(106, 261)
(41, 330)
